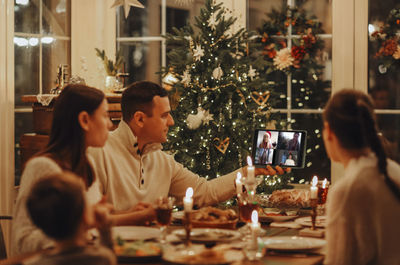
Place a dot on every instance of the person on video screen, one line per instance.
(265, 152)
(294, 144)
(289, 161)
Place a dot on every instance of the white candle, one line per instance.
(324, 183)
(314, 188)
(188, 200)
(239, 185)
(250, 170)
(255, 227)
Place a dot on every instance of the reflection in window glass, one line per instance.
(317, 161)
(142, 60)
(26, 16)
(26, 58)
(55, 53)
(56, 17)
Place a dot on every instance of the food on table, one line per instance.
(207, 256)
(136, 248)
(212, 214)
(290, 198)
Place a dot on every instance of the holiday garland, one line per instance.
(388, 38)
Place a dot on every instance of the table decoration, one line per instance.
(252, 250)
(188, 206)
(314, 201)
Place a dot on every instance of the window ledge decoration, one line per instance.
(388, 38)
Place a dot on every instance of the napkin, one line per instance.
(286, 224)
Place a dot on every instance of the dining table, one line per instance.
(269, 257)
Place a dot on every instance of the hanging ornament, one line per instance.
(198, 53)
(127, 5)
(186, 78)
(195, 120)
(217, 73)
(252, 73)
(283, 59)
(207, 117)
(190, 39)
(260, 98)
(212, 22)
(221, 145)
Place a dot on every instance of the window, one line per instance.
(384, 81)
(41, 43)
(302, 103)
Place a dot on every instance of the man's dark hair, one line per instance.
(56, 205)
(139, 97)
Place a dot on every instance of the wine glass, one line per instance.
(164, 207)
(322, 195)
(247, 205)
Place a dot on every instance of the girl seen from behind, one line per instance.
(363, 207)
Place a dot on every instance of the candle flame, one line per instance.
(249, 162)
(314, 181)
(324, 183)
(189, 192)
(254, 217)
(238, 176)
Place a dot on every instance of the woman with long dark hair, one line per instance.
(80, 120)
(363, 207)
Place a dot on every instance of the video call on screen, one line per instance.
(278, 148)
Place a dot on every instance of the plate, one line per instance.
(205, 235)
(276, 218)
(135, 232)
(306, 221)
(137, 251)
(200, 255)
(293, 243)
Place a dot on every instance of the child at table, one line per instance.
(57, 206)
(363, 207)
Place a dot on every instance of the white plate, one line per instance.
(135, 232)
(306, 221)
(183, 256)
(276, 218)
(204, 235)
(293, 243)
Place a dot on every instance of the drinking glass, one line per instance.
(247, 205)
(164, 207)
(322, 195)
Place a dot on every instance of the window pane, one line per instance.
(141, 21)
(23, 124)
(177, 18)
(26, 16)
(26, 69)
(56, 17)
(258, 9)
(142, 60)
(322, 9)
(317, 161)
(383, 69)
(55, 53)
(389, 125)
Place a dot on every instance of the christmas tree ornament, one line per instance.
(252, 73)
(127, 5)
(217, 73)
(260, 98)
(195, 120)
(212, 22)
(186, 78)
(207, 117)
(221, 145)
(198, 53)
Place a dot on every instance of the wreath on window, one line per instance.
(305, 52)
(388, 38)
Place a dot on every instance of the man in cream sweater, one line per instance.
(132, 168)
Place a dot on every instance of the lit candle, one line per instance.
(250, 170)
(239, 185)
(324, 183)
(255, 227)
(188, 200)
(314, 188)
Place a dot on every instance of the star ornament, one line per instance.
(198, 53)
(252, 73)
(212, 22)
(127, 5)
(207, 117)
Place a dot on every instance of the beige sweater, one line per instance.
(25, 236)
(363, 216)
(128, 177)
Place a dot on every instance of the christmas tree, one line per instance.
(219, 98)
